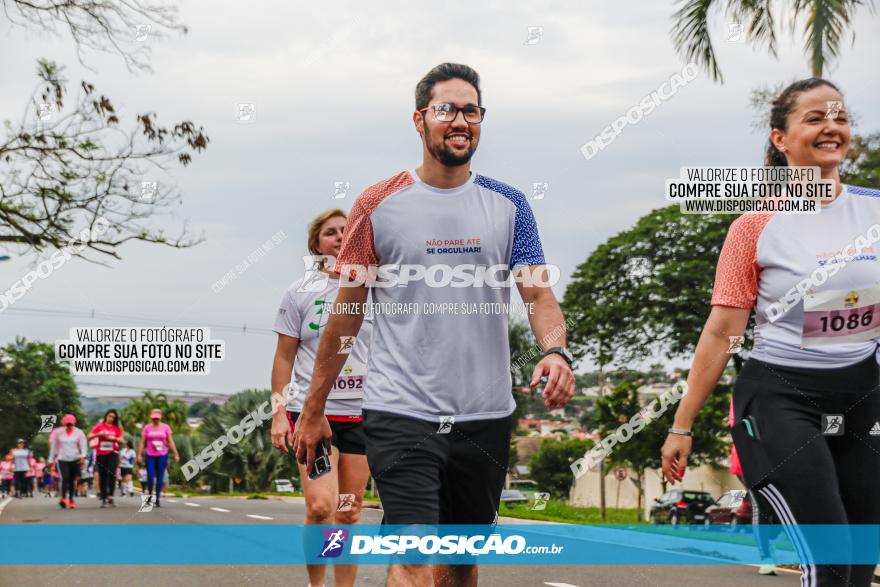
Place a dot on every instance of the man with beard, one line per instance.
(437, 399)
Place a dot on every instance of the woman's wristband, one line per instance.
(680, 432)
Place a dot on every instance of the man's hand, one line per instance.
(674, 455)
(282, 435)
(311, 429)
(560, 380)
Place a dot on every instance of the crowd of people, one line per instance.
(102, 460)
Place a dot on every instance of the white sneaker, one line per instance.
(767, 570)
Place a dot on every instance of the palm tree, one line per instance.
(137, 411)
(253, 462)
(825, 23)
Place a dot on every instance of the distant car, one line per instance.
(513, 496)
(680, 506)
(731, 508)
(284, 485)
(527, 486)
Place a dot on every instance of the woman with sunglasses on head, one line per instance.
(812, 280)
(69, 448)
(109, 435)
(336, 497)
(158, 438)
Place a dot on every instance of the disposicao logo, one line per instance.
(334, 541)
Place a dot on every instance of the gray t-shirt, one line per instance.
(303, 315)
(22, 459)
(428, 363)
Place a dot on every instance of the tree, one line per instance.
(203, 408)
(647, 289)
(550, 467)
(32, 384)
(64, 172)
(60, 176)
(253, 460)
(825, 24)
(99, 25)
(136, 413)
(862, 163)
(641, 450)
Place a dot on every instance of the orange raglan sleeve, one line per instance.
(736, 275)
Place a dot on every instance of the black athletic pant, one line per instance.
(20, 483)
(107, 472)
(806, 476)
(69, 478)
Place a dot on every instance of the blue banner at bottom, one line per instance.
(512, 544)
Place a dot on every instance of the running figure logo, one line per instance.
(875, 429)
(534, 34)
(315, 280)
(446, 423)
(47, 422)
(541, 501)
(736, 344)
(340, 189)
(346, 500)
(346, 343)
(735, 32)
(834, 108)
(832, 424)
(539, 189)
(146, 504)
(334, 540)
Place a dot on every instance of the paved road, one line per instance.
(206, 510)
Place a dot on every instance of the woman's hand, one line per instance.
(674, 455)
(282, 436)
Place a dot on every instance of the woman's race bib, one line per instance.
(841, 316)
(350, 383)
(105, 445)
(159, 445)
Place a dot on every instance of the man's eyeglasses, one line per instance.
(447, 112)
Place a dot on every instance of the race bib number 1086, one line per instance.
(841, 316)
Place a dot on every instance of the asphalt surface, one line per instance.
(208, 510)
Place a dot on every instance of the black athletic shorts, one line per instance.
(425, 477)
(123, 471)
(348, 433)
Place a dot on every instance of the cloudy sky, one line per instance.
(333, 94)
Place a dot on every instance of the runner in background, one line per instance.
(126, 464)
(46, 479)
(109, 434)
(807, 398)
(299, 323)
(31, 475)
(87, 474)
(69, 449)
(7, 467)
(21, 465)
(142, 479)
(157, 437)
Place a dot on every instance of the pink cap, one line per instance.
(68, 419)
(156, 414)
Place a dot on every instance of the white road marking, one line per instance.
(4, 503)
(220, 510)
(560, 584)
(256, 517)
(171, 500)
(192, 505)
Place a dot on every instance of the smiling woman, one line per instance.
(802, 361)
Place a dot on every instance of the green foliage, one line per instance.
(203, 408)
(862, 164)
(825, 27)
(253, 463)
(32, 384)
(558, 511)
(626, 310)
(524, 351)
(642, 450)
(137, 411)
(550, 467)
